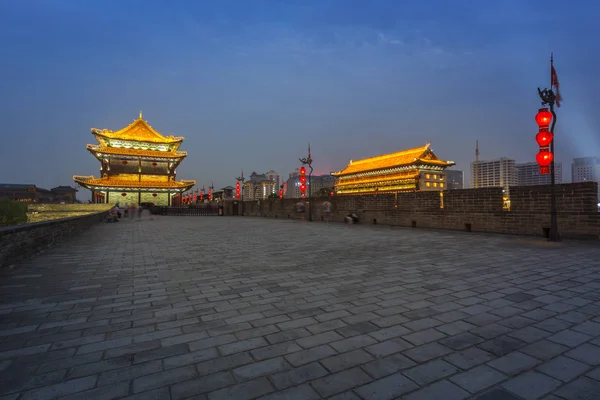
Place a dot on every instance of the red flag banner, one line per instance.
(555, 84)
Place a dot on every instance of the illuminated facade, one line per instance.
(137, 165)
(411, 170)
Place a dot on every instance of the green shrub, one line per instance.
(12, 212)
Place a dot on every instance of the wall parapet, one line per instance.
(475, 210)
(21, 242)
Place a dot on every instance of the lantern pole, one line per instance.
(308, 161)
(549, 98)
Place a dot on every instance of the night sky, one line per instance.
(250, 83)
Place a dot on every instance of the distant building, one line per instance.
(259, 187)
(528, 174)
(454, 179)
(320, 185)
(586, 169)
(501, 172)
(29, 193)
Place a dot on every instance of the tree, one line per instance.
(273, 196)
(12, 212)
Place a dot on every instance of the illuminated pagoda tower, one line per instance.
(137, 165)
(405, 171)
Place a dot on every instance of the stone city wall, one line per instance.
(20, 242)
(476, 210)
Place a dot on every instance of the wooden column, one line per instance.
(139, 198)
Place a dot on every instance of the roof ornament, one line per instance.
(140, 114)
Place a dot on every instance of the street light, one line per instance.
(241, 180)
(545, 157)
(308, 161)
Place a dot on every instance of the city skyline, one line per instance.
(250, 85)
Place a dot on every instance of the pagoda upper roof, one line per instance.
(122, 151)
(406, 157)
(91, 181)
(140, 131)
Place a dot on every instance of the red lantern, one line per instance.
(154, 164)
(303, 188)
(303, 178)
(154, 195)
(544, 158)
(302, 170)
(543, 118)
(123, 194)
(124, 162)
(544, 138)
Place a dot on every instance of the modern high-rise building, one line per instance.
(501, 172)
(260, 186)
(454, 179)
(586, 169)
(528, 174)
(319, 184)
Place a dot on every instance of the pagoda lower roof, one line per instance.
(122, 151)
(92, 182)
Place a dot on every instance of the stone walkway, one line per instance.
(241, 308)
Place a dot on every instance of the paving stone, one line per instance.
(129, 373)
(461, 341)
(260, 368)
(514, 363)
(388, 347)
(302, 392)
(243, 391)
(501, 345)
(469, 358)
(389, 387)
(425, 336)
(430, 372)
(388, 365)
(352, 343)
(296, 376)
(346, 360)
(440, 390)
(581, 388)
(531, 385)
(478, 378)
(61, 389)
(563, 368)
(500, 394)
(586, 353)
(427, 352)
(569, 338)
(310, 355)
(340, 382)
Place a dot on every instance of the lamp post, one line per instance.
(548, 98)
(308, 161)
(241, 180)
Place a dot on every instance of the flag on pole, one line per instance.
(554, 84)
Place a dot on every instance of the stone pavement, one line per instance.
(243, 308)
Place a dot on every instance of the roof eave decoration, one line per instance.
(99, 151)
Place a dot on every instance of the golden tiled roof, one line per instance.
(108, 182)
(405, 157)
(121, 151)
(139, 130)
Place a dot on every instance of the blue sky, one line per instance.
(250, 83)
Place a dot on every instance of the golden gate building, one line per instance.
(417, 169)
(137, 165)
